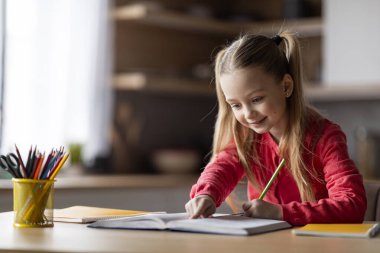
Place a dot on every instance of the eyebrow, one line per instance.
(248, 95)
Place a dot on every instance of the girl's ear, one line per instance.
(287, 84)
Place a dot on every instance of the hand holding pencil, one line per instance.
(261, 209)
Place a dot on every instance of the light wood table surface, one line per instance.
(65, 237)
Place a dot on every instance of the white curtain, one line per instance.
(57, 75)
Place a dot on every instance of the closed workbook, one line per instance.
(88, 214)
(364, 230)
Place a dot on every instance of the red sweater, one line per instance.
(340, 195)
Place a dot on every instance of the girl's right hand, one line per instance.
(201, 206)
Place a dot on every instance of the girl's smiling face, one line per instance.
(257, 100)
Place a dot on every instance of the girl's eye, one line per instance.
(257, 99)
(235, 106)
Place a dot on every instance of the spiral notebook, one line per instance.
(88, 214)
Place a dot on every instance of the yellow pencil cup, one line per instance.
(33, 203)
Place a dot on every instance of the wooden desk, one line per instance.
(64, 237)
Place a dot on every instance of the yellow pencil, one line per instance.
(55, 172)
(272, 178)
(30, 206)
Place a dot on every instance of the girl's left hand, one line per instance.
(261, 209)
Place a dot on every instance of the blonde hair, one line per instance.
(277, 60)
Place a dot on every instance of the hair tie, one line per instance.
(277, 39)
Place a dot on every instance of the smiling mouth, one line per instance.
(258, 121)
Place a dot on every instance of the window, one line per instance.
(57, 75)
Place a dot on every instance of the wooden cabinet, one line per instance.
(163, 56)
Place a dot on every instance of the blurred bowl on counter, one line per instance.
(176, 161)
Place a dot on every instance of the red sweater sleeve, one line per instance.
(219, 177)
(346, 201)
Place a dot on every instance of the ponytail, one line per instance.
(291, 145)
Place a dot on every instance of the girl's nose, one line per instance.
(249, 113)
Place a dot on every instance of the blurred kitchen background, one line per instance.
(127, 86)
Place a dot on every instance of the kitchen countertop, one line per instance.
(116, 181)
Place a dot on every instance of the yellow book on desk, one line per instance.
(88, 214)
(365, 230)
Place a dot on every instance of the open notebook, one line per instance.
(219, 224)
(87, 214)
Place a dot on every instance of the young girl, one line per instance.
(262, 119)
